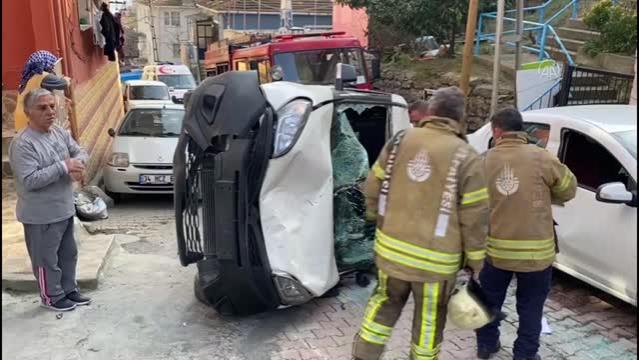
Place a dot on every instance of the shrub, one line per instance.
(618, 28)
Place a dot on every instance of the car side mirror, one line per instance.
(615, 193)
(111, 132)
(277, 73)
(344, 74)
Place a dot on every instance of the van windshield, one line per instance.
(149, 93)
(184, 81)
(317, 67)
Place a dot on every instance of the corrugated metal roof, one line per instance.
(324, 7)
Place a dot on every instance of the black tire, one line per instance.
(117, 197)
(362, 279)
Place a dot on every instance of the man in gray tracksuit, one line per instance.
(46, 161)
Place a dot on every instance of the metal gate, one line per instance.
(585, 86)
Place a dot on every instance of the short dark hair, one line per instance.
(419, 105)
(507, 119)
(448, 102)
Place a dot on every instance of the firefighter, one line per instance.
(523, 180)
(417, 111)
(427, 194)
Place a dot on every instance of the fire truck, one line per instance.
(307, 58)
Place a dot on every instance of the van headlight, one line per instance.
(291, 119)
(118, 159)
(291, 291)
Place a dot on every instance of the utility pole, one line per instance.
(497, 60)
(286, 15)
(467, 65)
(520, 33)
(259, 14)
(154, 40)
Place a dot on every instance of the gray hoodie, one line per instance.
(44, 187)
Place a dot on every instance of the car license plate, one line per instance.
(156, 179)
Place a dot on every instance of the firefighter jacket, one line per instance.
(523, 181)
(432, 209)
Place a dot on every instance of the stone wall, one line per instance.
(407, 84)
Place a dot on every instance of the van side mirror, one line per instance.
(344, 74)
(616, 193)
(111, 132)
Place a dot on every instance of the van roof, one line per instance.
(144, 83)
(170, 69)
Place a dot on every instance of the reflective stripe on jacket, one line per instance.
(523, 181)
(433, 220)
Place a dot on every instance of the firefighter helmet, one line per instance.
(466, 310)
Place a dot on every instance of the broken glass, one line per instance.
(354, 237)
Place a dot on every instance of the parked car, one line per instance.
(268, 195)
(141, 157)
(178, 78)
(145, 92)
(597, 230)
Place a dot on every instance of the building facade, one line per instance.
(183, 22)
(65, 28)
(352, 21)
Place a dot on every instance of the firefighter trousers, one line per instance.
(532, 291)
(384, 308)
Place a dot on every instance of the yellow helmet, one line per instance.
(466, 311)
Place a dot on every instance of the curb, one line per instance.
(94, 251)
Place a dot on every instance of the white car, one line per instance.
(141, 156)
(597, 230)
(145, 92)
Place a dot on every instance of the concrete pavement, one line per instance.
(16, 265)
(145, 309)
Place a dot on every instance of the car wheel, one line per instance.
(117, 197)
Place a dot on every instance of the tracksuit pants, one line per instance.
(54, 256)
(385, 307)
(532, 291)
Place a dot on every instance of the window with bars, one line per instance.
(204, 32)
(175, 18)
(171, 18)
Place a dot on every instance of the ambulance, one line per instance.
(178, 78)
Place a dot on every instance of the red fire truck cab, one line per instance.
(302, 58)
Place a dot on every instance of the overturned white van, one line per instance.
(267, 192)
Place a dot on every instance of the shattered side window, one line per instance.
(353, 236)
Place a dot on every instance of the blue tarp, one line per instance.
(131, 75)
